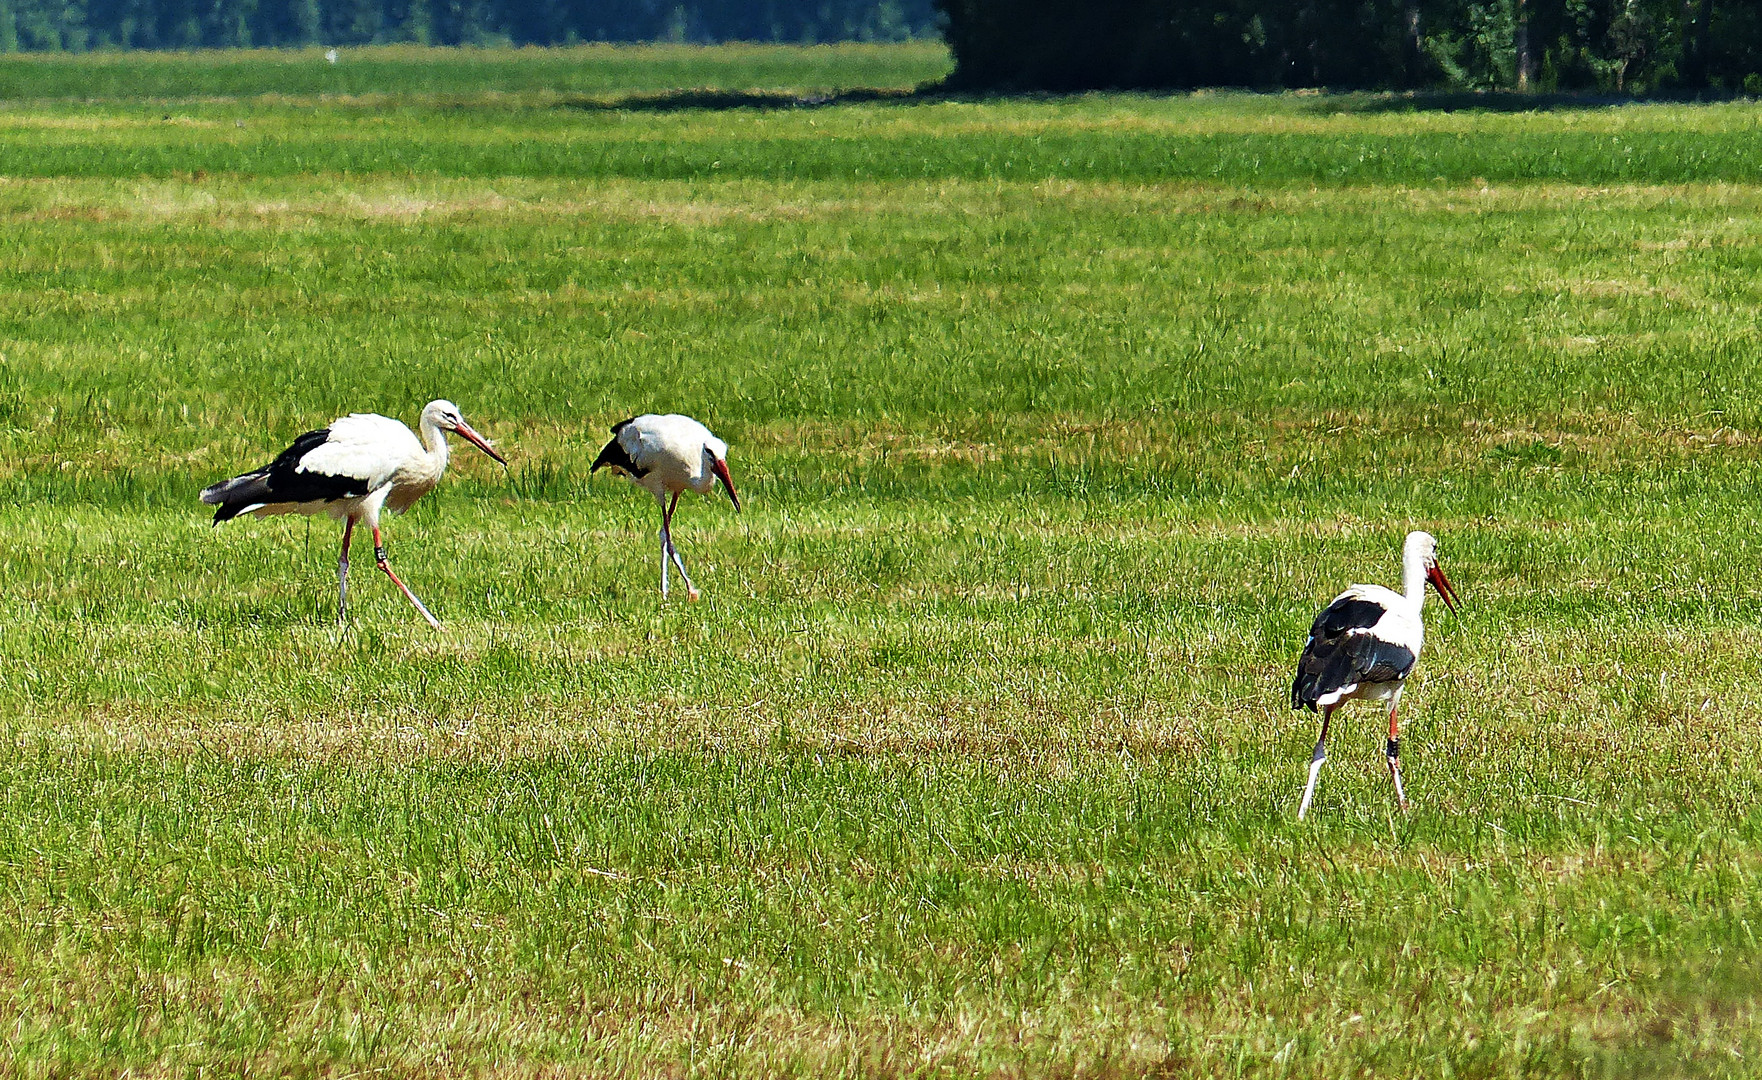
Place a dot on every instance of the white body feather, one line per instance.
(670, 449)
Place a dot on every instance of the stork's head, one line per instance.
(716, 460)
(445, 415)
(1422, 550)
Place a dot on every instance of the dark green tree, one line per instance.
(1612, 46)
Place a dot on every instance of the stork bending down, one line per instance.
(665, 455)
(350, 470)
(1364, 645)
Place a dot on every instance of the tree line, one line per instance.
(1610, 46)
(78, 25)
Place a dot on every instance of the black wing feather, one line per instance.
(614, 454)
(281, 481)
(1347, 613)
(1335, 657)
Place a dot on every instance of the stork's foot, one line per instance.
(692, 594)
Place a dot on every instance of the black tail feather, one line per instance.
(283, 481)
(1323, 672)
(230, 498)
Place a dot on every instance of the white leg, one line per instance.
(690, 589)
(667, 549)
(1315, 763)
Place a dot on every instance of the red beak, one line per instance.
(1446, 591)
(478, 441)
(720, 468)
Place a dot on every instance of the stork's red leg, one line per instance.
(1395, 757)
(1315, 762)
(379, 556)
(342, 572)
(669, 549)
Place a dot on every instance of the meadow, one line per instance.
(1055, 422)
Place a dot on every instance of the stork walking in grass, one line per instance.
(665, 455)
(1364, 645)
(360, 464)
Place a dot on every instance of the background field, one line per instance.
(1056, 421)
(589, 73)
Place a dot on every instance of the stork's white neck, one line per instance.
(1414, 575)
(436, 441)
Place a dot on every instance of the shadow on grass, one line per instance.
(1343, 101)
(764, 100)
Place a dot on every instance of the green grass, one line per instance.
(1231, 142)
(976, 756)
(587, 73)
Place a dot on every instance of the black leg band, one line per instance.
(1394, 749)
(379, 553)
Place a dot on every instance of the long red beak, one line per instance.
(478, 441)
(1446, 591)
(720, 468)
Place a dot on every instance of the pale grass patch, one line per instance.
(36, 121)
(487, 1036)
(1611, 287)
(1031, 734)
(174, 199)
(278, 203)
(390, 206)
(450, 1023)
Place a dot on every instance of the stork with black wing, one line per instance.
(1364, 645)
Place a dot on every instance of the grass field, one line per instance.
(589, 74)
(1055, 420)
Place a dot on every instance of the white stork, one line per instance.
(350, 470)
(665, 455)
(1364, 645)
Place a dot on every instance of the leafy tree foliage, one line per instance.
(177, 24)
(1616, 46)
